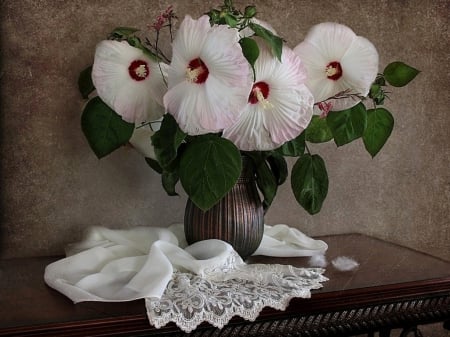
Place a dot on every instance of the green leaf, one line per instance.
(214, 16)
(275, 42)
(85, 84)
(347, 125)
(167, 140)
(265, 177)
(103, 128)
(380, 80)
(318, 130)
(250, 50)
(136, 42)
(154, 165)
(293, 148)
(228, 4)
(231, 20)
(278, 166)
(379, 127)
(399, 74)
(169, 180)
(209, 168)
(267, 183)
(309, 182)
(377, 94)
(122, 32)
(249, 12)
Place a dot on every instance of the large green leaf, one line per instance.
(379, 127)
(399, 74)
(318, 130)
(278, 166)
(275, 42)
(309, 182)
(104, 129)
(167, 140)
(85, 85)
(209, 168)
(347, 125)
(294, 147)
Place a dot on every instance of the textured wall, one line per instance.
(53, 187)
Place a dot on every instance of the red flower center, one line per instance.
(260, 92)
(138, 70)
(197, 71)
(334, 70)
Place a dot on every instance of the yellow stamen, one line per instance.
(331, 71)
(260, 96)
(192, 74)
(141, 71)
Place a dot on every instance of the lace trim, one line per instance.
(242, 290)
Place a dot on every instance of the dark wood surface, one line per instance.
(393, 287)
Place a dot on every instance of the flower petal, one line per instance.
(248, 133)
(361, 65)
(135, 105)
(190, 37)
(332, 39)
(187, 97)
(293, 114)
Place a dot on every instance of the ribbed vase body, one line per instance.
(238, 218)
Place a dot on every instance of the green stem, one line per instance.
(307, 148)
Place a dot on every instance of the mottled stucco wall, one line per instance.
(53, 187)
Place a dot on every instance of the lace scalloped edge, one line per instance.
(188, 325)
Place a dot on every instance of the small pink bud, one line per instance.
(325, 107)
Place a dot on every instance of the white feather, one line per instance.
(318, 261)
(344, 263)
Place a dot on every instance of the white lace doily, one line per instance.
(244, 291)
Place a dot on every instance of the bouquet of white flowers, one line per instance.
(232, 87)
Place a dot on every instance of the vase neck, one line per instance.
(247, 172)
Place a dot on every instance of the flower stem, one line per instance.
(307, 148)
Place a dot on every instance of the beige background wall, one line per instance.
(53, 187)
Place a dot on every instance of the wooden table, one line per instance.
(393, 287)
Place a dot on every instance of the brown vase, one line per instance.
(238, 218)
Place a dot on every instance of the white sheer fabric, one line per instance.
(206, 281)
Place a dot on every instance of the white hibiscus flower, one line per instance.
(128, 81)
(209, 78)
(279, 106)
(338, 60)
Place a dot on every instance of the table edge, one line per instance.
(318, 303)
